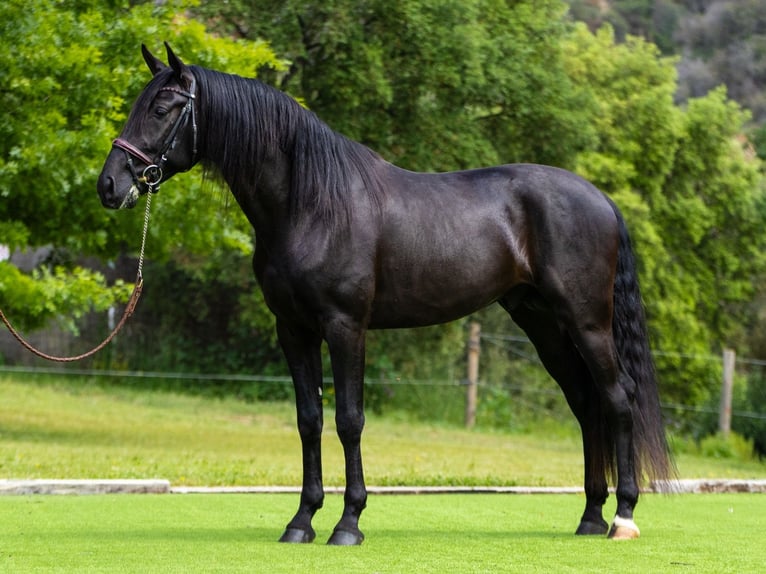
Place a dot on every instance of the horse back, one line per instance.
(455, 242)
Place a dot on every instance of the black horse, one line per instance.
(347, 242)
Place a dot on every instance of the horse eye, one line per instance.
(160, 112)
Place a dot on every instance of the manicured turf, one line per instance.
(405, 534)
(66, 430)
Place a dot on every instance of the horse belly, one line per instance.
(450, 244)
(428, 292)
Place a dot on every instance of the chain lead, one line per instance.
(144, 234)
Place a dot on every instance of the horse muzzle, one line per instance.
(111, 198)
(131, 198)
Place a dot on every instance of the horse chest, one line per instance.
(304, 291)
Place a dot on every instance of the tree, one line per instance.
(69, 72)
(726, 42)
(717, 42)
(430, 84)
(436, 86)
(693, 196)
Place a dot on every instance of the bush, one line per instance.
(733, 446)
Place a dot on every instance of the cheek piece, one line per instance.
(152, 173)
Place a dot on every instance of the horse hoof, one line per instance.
(587, 528)
(346, 538)
(624, 529)
(297, 536)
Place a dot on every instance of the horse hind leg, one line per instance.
(596, 456)
(602, 405)
(613, 384)
(564, 363)
(583, 305)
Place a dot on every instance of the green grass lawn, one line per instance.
(713, 534)
(79, 430)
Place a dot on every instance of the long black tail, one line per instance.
(652, 457)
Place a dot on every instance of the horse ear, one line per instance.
(182, 72)
(155, 65)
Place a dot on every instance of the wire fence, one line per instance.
(510, 343)
(515, 345)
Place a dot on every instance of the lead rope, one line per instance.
(129, 308)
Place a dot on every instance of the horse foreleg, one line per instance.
(346, 345)
(302, 351)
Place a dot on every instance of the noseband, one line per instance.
(152, 174)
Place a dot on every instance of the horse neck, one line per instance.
(266, 203)
(263, 143)
(248, 157)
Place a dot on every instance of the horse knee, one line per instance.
(310, 425)
(349, 427)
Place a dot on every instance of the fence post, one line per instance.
(474, 344)
(724, 414)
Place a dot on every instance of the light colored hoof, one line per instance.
(624, 529)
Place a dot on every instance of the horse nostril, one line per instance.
(106, 190)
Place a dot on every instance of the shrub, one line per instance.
(733, 446)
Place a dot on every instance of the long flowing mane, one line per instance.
(248, 121)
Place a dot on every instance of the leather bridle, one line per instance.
(152, 173)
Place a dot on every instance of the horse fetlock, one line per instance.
(623, 529)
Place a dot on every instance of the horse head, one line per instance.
(159, 138)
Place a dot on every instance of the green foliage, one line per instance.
(692, 195)
(42, 296)
(724, 43)
(719, 42)
(432, 85)
(203, 315)
(750, 400)
(69, 71)
(715, 207)
(731, 446)
(654, 20)
(428, 355)
(15, 234)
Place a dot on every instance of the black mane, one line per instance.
(248, 121)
